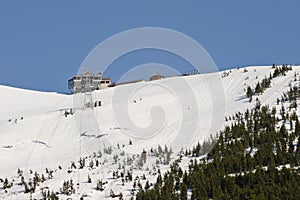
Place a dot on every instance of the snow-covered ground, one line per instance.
(177, 112)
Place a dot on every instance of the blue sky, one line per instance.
(42, 44)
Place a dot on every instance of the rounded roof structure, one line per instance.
(156, 76)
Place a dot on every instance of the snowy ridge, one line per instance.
(35, 134)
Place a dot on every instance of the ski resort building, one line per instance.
(88, 82)
(156, 76)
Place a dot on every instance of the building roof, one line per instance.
(156, 76)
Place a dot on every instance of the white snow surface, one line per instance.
(35, 134)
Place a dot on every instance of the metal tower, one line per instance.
(87, 89)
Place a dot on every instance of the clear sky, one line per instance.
(43, 43)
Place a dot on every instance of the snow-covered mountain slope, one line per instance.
(177, 112)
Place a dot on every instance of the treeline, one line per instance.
(290, 96)
(266, 82)
(281, 71)
(257, 157)
(259, 88)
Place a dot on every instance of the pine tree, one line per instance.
(183, 191)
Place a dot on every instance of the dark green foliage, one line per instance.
(281, 71)
(68, 188)
(6, 184)
(259, 88)
(46, 195)
(266, 82)
(247, 162)
(249, 92)
(81, 163)
(100, 185)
